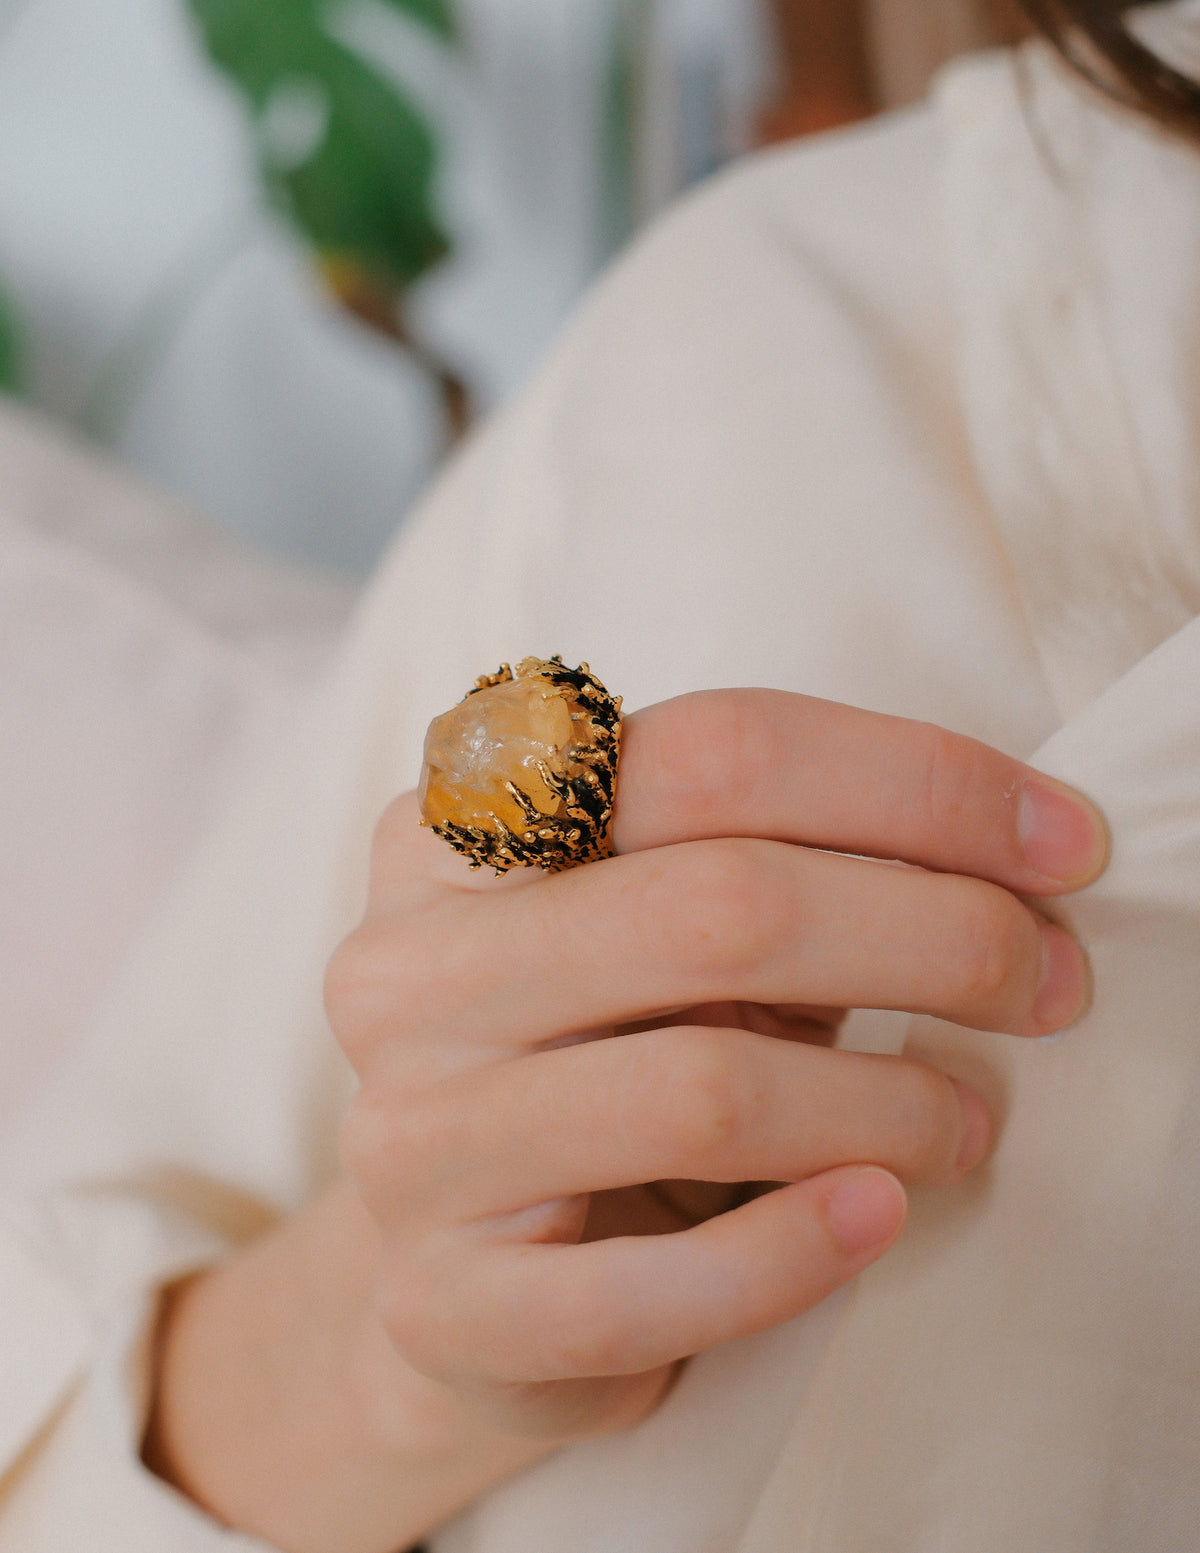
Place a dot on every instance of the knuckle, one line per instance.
(344, 978)
(990, 949)
(586, 1336)
(377, 981)
(392, 835)
(397, 1151)
(353, 980)
(928, 1118)
(565, 1349)
(406, 1303)
(697, 1090)
(600, 1350)
(424, 1138)
(717, 746)
(952, 776)
(354, 1137)
(727, 913)
(362, 1141)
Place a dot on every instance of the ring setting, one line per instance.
(522, 772)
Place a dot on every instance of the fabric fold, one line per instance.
(1073, 236)
(1021, 1371)
(45, 1349)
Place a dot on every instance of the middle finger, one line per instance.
(755, 921)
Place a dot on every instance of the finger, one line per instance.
(687, 1103)
(542, 1313)
(411, 866)
(793, 768)
(707, 922)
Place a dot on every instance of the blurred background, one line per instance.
(278, 254)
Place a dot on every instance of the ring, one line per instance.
(522, 773)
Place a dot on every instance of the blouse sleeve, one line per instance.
(73, 1373)
(204, 1101)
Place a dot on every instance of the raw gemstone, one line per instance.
(495, 736)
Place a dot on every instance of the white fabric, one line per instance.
(145, 661)
(798, 439)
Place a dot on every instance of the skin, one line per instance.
(494, 1277)
(825, 67)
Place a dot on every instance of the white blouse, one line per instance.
(908, 417)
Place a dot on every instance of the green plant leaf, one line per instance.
(627, 48)
(10, 347)
(434, 14)
(342, 152)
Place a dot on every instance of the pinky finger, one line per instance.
(634, 1304)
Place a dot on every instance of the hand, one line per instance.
(533, 1051)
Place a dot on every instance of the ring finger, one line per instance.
(679, 1103)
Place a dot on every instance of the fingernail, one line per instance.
(1063, 992)
(1062, 835)
(977, 1128)
(866, 1210)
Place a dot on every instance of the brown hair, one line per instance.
(1094, 37)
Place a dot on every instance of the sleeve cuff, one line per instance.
(71, 1426)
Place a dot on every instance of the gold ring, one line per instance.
(522, 773)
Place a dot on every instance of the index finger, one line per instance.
(787, 767)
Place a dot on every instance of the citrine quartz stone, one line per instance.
(496, 736)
